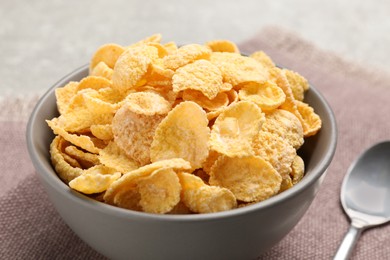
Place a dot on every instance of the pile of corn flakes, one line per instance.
(192, 129)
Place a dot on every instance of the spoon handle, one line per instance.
(349, 242)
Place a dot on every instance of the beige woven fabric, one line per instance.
(30, 228)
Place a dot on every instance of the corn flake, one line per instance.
(222, 46)
(160, 192)
(311, 120)
(202, 198)
(286, 125)
(82, 141)
(64, 170)
(135, 123)
(107, 53)
(298, 169)
(237, 69)
(235, 127)
(128, 198)
(93, 82)
(102, 70)
(298, 84)
(103, 132)
(185, 55)
(266, 95)
(114, 157)
(85, 159)
(200, 75)
(183, 133)
(279, 77)
(129, 180)
(132, 66)
(275, 150)
(64, 95)
(250, 178)
(263, 58)
(219, 102)
(94, 180)
(86, 109)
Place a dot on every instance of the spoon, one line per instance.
(365, 194)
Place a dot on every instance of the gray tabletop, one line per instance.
(40, 41)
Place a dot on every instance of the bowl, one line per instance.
(242, 233)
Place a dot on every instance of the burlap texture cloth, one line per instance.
(30, 228)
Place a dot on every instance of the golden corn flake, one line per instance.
(147, 103)
(134, 133)
(135, 123)
(160, 192)
(279, 77)
(114, 157)
(158, 76)
(200, 75)
(286, 125)
(128, 198)
(64, 95)
(85, 159)
(232, 95)
(263, 58)
(202, 198)
(311, 120)
(102, 70)
(211, 115)
(298, 84)
(189, 181)
(108, 54)
(161, 50)
(110, 95)
(129, 180)
(286, 184)
(132, 66)
(94, 180)
(235, 127)
(237, 69)
(155, 38)
(275, 150)
(183, 133)
(163, 91)
(298, 169)
(250, 178)
(71, 161)
(185, 55)
(210, 161)
(93, 82)
(180, 209)
(86, 109)
(171, 47)
(266, 95)
(222, 46)
(62, 144)
(82, 141)
(103, 132)
(64, 170)
(217, 103)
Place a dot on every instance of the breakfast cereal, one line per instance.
(197, 128)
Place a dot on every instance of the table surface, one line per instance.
(41, 41)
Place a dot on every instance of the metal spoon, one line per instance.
(365, 194)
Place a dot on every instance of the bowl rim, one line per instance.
(51, 178)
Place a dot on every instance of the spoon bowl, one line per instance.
(365, 194)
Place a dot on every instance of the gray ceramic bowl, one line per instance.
(242, 233)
